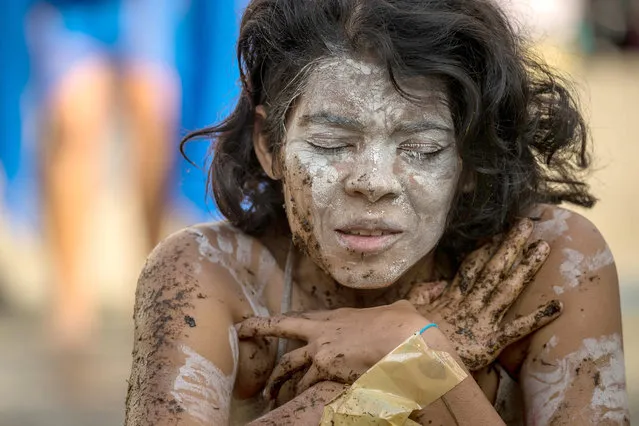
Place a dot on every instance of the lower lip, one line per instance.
(367, 244)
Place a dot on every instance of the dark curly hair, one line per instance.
(520, 134)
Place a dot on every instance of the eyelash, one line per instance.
(419, 155)
(329, 150)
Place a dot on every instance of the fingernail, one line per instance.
(554, 307)
(525, 224)
(266, 394)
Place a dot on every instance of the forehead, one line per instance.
(362, 88)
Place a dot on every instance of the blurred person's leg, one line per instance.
(153, 94)
(77, 119)
(77, 83)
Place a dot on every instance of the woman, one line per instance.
(376, 144)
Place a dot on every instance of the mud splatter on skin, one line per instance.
(166, 292)
(189, 320)
(162, 301)
(556, 384)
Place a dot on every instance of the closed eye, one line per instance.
(421, 151)
(328, 145)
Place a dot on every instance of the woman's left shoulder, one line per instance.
(579, 259)
(561, 227)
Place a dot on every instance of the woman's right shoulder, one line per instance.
(224, 262)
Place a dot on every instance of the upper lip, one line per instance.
(370, 225)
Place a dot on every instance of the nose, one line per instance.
(373, 178)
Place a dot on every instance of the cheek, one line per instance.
(310, 188)
(432, 189)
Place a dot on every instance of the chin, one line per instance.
(363, 278)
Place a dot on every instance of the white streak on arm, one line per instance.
(202, 389)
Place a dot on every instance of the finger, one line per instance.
(508, 291)
(287, 327)
(289, 364)
(312, 376)
(324, 315)
(470, 268)
(424, 294)
(522, 327)
(499, 265)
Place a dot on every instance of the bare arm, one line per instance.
(184, 354)
(465, 404)
(304, 409)
(187, 361)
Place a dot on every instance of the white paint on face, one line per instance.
(547, 385)
(356, 150)
(576, 264)
(202, 389)
(219, 257)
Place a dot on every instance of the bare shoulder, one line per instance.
(574, 365)
(578, 249)
(193, 288)
(177, 268)
(579, 271)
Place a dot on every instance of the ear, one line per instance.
(261, 145)
(468, 182)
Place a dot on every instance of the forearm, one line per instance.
(305, 409)
(465, 404)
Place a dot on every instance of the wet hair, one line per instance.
(520, 134)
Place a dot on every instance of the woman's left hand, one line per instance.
(342, 344)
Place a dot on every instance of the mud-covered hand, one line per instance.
(341, 344)
(470, 312)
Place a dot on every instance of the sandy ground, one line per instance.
(39, 388)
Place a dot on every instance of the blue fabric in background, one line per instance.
(17, 157)
(208, 66)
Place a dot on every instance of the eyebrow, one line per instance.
(421, 126)
(324, 117)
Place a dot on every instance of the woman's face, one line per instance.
(369, 177)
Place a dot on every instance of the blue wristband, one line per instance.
(426, 327)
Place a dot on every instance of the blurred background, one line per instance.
(94, 98)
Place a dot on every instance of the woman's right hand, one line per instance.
(471, 310)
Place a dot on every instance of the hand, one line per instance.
(341, 344)
(470, 312)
